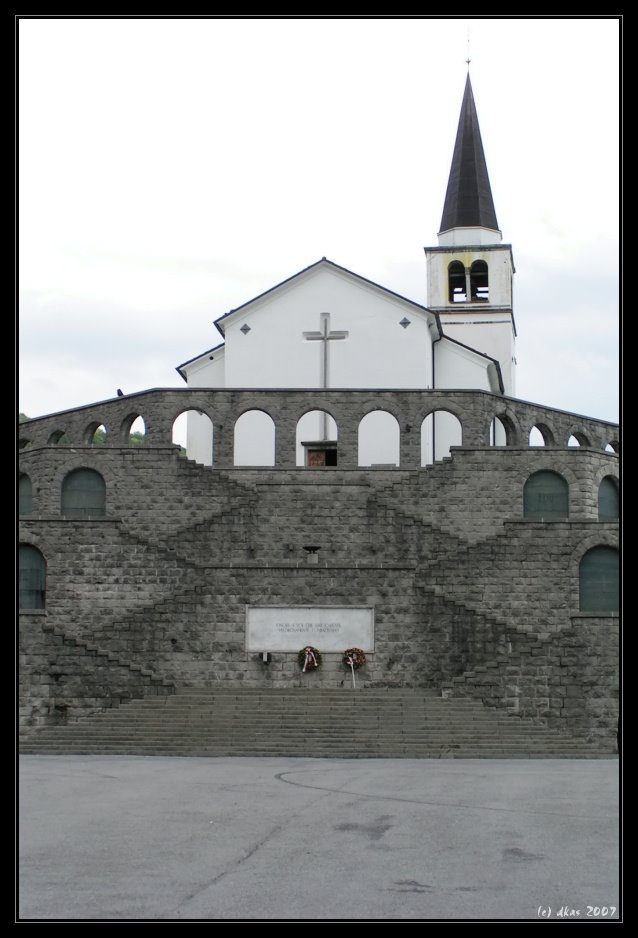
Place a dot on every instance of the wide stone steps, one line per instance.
(361, 723)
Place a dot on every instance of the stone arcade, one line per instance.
(395, 503)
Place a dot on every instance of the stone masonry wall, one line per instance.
(63, 678)
(565, 679)
(468, 596)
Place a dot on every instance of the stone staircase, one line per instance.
(322, 723)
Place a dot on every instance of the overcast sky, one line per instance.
(170, 170)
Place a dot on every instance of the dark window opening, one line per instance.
(83, 494)
(456, 282)
(598, 580)
(320, 454)
(478, 281)
(25, 495)
(32, 579)
(608, 501)
(546, 497)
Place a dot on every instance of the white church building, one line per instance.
(328, 327)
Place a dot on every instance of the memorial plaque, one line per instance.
(328, 628)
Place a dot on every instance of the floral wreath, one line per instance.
(309, 658)
(354, 657)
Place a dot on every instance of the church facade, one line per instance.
(327, 327)
(358, 469)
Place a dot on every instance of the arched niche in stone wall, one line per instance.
(83, 494)
(96, 434)
(546, 497)
(578, 438)
(540, 435)
(316, 440)
(608, 499)
(31, 578)
(58, 437)
(193, 433)
(502, 430)
(439, 431)
(25, 494)
(379, 439)
(598, 580)
(254, 439)
(137, 432)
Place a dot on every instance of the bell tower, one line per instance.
(470, 272)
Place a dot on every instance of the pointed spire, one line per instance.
(468, 200)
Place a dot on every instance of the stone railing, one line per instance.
(159, 408)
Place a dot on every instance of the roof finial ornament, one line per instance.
(468, 59)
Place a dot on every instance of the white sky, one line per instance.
(170, 170)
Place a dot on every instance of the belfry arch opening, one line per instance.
(457, 290)
(479, 285)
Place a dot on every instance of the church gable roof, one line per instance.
(202, 357)
(493, 365)
(336, 268)
(468, 200)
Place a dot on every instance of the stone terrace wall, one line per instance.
(567, 678)
(476, 411)
(64, 678)
(466, 593)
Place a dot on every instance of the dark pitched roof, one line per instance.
(468, 200)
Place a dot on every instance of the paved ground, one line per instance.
(144, 839)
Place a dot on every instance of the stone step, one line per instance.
(326, 748)
(319, 722)
(324, 752)
(299, 745)
(334, 727)
(309, 722)
(328, 729)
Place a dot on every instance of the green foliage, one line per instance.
(99, 437)
(135, 439)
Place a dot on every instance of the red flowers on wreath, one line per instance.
(354, 657)
(309, 658)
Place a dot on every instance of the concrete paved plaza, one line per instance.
(143, 839)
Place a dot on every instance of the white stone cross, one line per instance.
(324, 335)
